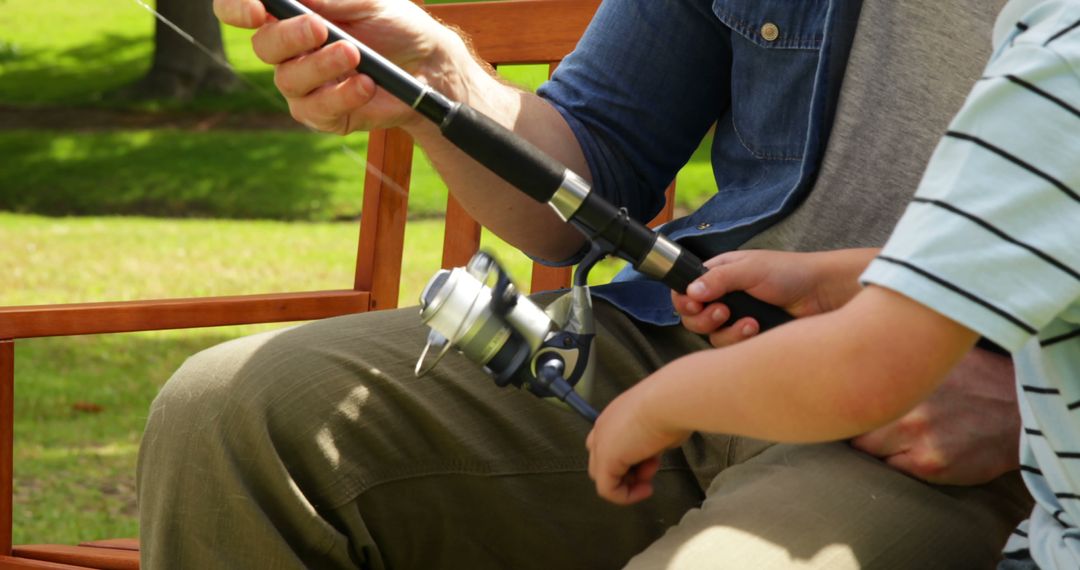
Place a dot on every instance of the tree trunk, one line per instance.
(180, 68)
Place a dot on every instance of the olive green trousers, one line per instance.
(316, 447)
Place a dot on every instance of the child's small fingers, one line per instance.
(608, 488)
(685, 305)
(637, 482)
(647, 470)
(708, 320)
(741, 330)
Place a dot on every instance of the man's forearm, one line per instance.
(511, 214)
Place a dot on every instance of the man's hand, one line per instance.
(321, 84)
(966, 433)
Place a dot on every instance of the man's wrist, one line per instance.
(456, 72)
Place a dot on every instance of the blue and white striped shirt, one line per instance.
(992, 241)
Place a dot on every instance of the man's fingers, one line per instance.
(300, 76)
(929, 466)
(328, 108)
(240, 13)
(283, 40)
(882, 442)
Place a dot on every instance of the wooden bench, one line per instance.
(502, 32)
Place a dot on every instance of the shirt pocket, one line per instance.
(775, 50)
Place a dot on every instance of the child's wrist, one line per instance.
(836, 274)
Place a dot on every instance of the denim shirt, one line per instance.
(650, 77)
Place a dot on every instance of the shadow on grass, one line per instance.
(78, 75)
(233, 174)
(86, 74)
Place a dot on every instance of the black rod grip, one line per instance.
(743, 304)
(508, 155)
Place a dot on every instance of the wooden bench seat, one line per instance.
(112, 554)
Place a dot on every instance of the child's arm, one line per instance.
(820, 378)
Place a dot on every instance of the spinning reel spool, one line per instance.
(478, 311)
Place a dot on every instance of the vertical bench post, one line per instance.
(7, 441)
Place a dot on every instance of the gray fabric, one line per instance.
(911, 67)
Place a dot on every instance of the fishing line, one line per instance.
(268, 95)
(213, 56)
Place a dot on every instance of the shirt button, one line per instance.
(769, 32)
(704, 226)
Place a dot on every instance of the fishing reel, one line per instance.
(478, 311)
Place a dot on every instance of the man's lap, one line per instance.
(395, 466)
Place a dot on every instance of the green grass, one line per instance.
(269, 175)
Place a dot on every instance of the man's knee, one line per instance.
(206, 377)
(207, 392)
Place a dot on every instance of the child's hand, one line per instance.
(625, 447)
(801, 283)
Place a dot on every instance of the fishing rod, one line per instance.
(541, 177)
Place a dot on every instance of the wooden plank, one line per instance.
(546, 278)
(7, 441)
(522, 31)
(461, 236)
(382, 223)
(668, 211)
(161, 314)
(81, 556)
(118, 543)
(12, 563)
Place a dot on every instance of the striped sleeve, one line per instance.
(992, 237)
